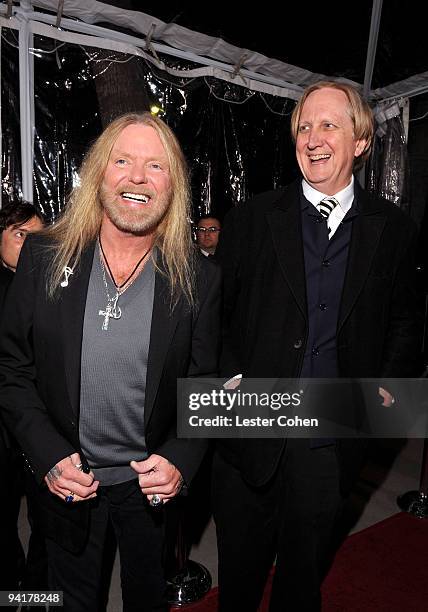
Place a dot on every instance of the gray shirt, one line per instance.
(113, 375)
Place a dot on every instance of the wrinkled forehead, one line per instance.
(138, 138)
(326, 103)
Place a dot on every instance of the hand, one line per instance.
(388, 399)
(233, 383)
(156, 475)
(65, 479)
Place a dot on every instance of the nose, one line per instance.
(314, 138)
(138, 173)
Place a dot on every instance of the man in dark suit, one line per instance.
(106, 312)
(17, 220)
(318, 283)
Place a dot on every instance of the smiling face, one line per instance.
(12, 239)
(325, 142)
(136, 188)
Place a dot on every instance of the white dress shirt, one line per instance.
(345, 197)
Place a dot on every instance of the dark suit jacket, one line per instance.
(6, 276)
(40, 371)
(265, 311)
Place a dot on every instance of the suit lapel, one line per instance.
(286, 228)
(72, 312)
(367, 229)
(163, 326)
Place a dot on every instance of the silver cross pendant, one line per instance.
(112, 311)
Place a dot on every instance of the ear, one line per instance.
(360, 147)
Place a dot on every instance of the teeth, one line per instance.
(320, 156)
(138, 197)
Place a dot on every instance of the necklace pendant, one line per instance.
(116, 311)
(112, 311)
(107, 313)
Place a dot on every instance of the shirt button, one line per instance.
(323, 306)
(315, 352)
(298, 344)
(326, 263)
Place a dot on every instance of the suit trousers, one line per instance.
(139, 531)
(291, 517)
(11, 472)
(18, 572)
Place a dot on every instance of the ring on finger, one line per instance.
(69, 499)
(156, 501)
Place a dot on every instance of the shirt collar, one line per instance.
(345, 197)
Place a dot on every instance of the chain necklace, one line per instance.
(112, 310)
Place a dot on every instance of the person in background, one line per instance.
(207, 233)
(318, 283)
(107, 310)
(17, 219)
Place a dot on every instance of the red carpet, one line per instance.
(383, 568)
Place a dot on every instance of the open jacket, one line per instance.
(379, 327)
(40, 355)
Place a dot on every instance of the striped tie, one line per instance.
(326, 206)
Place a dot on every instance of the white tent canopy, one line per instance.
(75, 21)
(178, 41)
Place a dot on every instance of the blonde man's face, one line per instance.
(325, 145)
(136, 189)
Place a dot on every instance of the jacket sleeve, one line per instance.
(187, 454)
(403, 341)
(229, 257)
(22, 408)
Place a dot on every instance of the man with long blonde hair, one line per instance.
(109, 308)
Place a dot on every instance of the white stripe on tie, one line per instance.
(326, 207)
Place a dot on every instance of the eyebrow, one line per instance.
(19, 228)
(121, 153)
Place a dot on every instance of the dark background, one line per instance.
(234, 150)
(328, 38)
(324, 37)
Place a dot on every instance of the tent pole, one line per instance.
(371, 49)
(26, 93)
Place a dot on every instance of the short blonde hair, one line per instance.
(359, 112)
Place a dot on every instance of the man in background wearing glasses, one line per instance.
(207, 233)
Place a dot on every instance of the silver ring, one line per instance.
(78, 466)
(156, 501)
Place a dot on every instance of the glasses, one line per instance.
(211, 230)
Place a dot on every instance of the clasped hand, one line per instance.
(66, 478)
(157, 476)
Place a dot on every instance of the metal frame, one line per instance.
(25, 17)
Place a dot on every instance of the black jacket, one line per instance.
(40, 370)
(265, 312)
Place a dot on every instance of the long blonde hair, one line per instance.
(80, 223)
